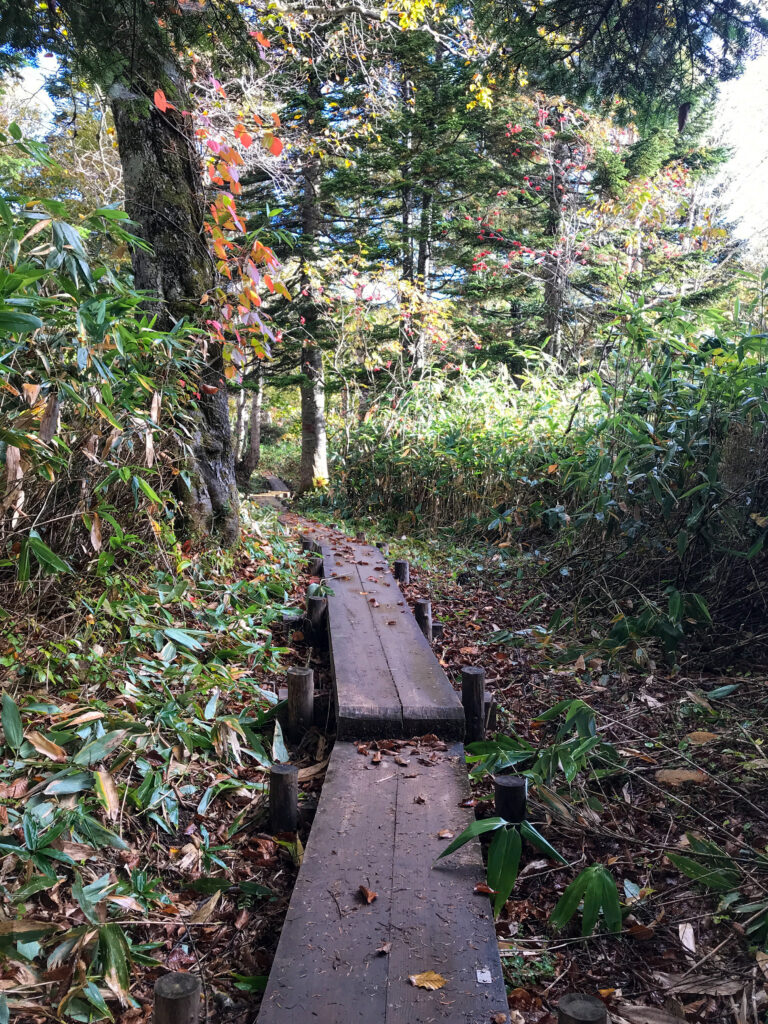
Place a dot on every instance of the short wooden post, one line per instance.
(317, 618)
(401, 570)
(437, 630)
(177, 998)
(509, 795)
(307, 544)
(316, 566)
(301, 701)
(423, 612)
(383, 548)
(360, 537)
(490, 709)
(472, 697)
(283, 797)
(576, 1008)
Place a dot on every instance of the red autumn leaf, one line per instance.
(484, 889)
(246, 140)
(276, 147)
(276, 120)
(366, 895)
(209, 389)
(161, 102)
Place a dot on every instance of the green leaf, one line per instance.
(5, 1015)
(720, 880)
(279, 751)
(533, 836)
(611, 905)
(11, 719)
(98, 749)
(250, 982)
(721, 691)
(47, 558)
(184, 639)
(115, 957)
(150, 493)
(503, 864)
(109, 417)
(18, 323)
(477, 828)
(567, 904)
(593, 898)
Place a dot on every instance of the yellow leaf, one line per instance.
(201, 916)
(427, 979)
(106, 791)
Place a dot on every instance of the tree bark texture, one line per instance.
(555, 272)
(164, 195)
(252, 452)
(314, 445)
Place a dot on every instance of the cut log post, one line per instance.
(472, 697)
(437, 630)
(509, 794)
(490, 709)
(316, 566)
(283, 797)
(177, 998)
(301, 700)
(383, 548)
(576, 1008)
(360, 537)
(307, 544)
(401, 570)
(317, 619)
(423, 613)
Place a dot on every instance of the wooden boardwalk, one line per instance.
(344, 955)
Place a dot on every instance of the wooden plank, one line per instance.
(429, 701)
(438, 922)
(377, 826)
(367, 702)
(326, 966)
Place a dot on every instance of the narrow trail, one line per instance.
(370, 913)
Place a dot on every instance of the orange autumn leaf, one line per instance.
(276, 120)
(246, 140)
(276, 148)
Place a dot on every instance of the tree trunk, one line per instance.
(164, 195)
(555, 271)
(240, 445)
(314, 446)
(252, 454)
(419, 347)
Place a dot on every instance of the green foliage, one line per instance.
(595, 889)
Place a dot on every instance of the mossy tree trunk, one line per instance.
(164, 195)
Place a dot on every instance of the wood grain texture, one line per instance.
(377, 826)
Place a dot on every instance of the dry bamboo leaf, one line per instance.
(106, 791)
(31, 391)
(48, 747)
(96, 532)
(699, 738)
(679, 776)
(202, 915)
(687, 937)
(49, 421)
(367, 895)
(427, 979)
(313, 770)
(637, 1014)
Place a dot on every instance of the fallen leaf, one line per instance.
(679, 776)
(635, 1013)
(702, 984)
(445, 833)
(376, 759)
(384, 948)
(687, 937)
(580, 665)
(311, 772)
(427, 979)
(699, 738)
(484, 889)
(366, 895)
(499, 1018)
(202, 915)
(419, 799)
(762, 961)
(48, 747)
(402, 762)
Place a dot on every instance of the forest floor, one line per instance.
(692, 764)
(216, 884)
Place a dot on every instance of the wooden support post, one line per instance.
(301, 701)
(383, 548)
(576, 1008)
(423, 613)
(472, 697)
(509, 794)
(317, 618)
(283, 797)
(177, 998)
(490, 708)
(437, 630)
(307, 544)
(316, 566)
(401, 570)
(360, 537)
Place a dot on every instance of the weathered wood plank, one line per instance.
(367, 701)
(439, 923)
(326, 966)
(377, 826)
